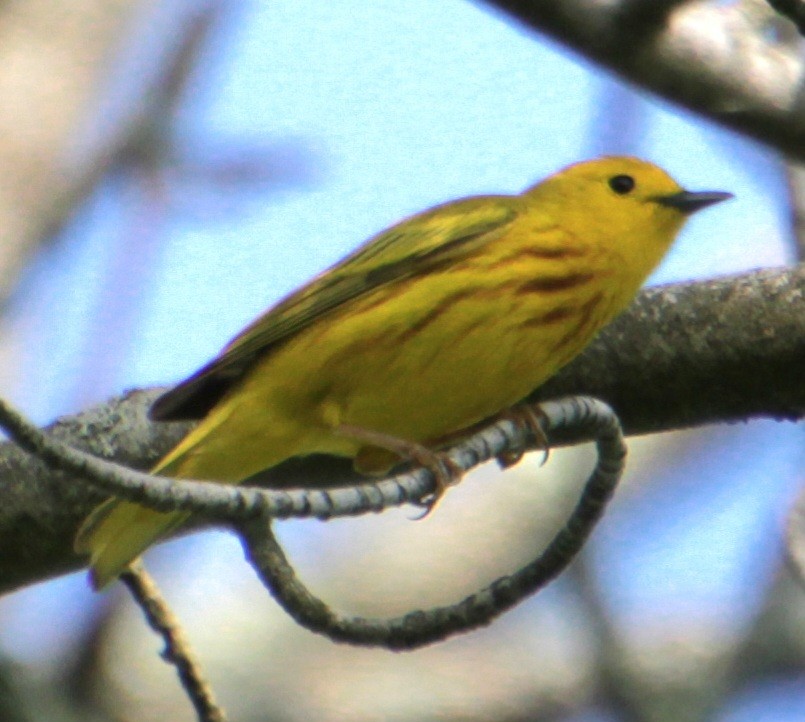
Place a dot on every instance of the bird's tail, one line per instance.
(117, 532)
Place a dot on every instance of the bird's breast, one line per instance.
(422, 359)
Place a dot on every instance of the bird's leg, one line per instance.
(445, 472)
(529, 417)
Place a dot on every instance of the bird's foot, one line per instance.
(531, 418)
(445, 471)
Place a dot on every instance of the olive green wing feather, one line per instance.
(417, 245)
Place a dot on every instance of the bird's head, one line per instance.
(625, 205)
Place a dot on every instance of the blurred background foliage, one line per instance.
(172, 168)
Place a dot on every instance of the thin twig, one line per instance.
(177, 649)
(423, 627)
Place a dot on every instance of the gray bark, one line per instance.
(723, 350)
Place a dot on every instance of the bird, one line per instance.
(447, 318)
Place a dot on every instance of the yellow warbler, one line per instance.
(435, 324)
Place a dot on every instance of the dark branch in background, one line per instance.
(795, 175)
(177, 650)
(142, 134)
(710, 58)
(134, 152)
(630, 687)
(52, 90)
(682, 355)
(795, 524)
(794, 10)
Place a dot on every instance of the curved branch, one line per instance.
(713, 58)
(683, 354)
(577, 417)
(250, 512)
(419, 628)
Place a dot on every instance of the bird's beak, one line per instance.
(689, 201)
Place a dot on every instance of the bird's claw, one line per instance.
(531, 418)
(446, 473)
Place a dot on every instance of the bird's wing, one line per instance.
(416, 245)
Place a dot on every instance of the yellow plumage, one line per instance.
(439, 322)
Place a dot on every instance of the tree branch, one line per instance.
(712, 58)
(682, 355)
(794, 10)
(569, 419)
(688, 354)
(41, 509)
(177, 649)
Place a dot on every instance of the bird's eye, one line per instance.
(621, 184)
